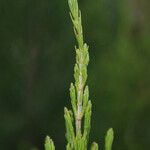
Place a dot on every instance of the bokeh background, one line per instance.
(36, 67)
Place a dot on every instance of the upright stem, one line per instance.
(80, 78)
(80, 65)
(79, 101)
(78, 137)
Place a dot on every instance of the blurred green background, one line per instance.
(36, 67)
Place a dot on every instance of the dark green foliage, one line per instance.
(36, 63)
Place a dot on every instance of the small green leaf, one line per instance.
(109, 139)
(94, 146)
(49, 145)
(73, 98)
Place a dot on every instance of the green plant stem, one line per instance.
(78, 120)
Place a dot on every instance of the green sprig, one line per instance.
(78, 120)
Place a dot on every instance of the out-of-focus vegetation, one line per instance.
(36, 67)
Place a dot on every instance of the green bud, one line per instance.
(94, 146)
(109, 139)
(49, 145)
